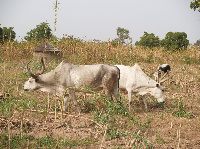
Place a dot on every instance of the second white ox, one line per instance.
(133, 79)
(67, 75)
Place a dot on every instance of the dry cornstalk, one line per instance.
(48, 101)
(55, 95)
(102, 141)
(4, 68)
(21, 127)
(134, 140)
(55, 109)
(56, 7)
(28, 144)
(179, 137)
(9, 134)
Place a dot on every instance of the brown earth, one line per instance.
(163, 128)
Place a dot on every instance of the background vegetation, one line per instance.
(195, 4)
(172, 41)
(42, 31)
(7, 34)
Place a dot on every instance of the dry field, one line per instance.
(33, 119)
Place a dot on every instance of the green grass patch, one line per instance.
(45, 142)
(179, 109)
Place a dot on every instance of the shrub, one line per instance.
(175, 41)
(148, 40)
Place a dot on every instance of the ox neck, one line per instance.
(53, 90)
(145, 89)
(49, 83)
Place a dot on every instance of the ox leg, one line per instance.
(108, 93)
(116, 94)
(145, 102)
(73, 97)
(110, 84)
(116, 91)
(65, 104)
(130, 98)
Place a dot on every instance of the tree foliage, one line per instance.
(1, 35)
(148, 40)
(42, 31)
(7, 34)
(195, 5)
(197, 43)
(123, 34)
(175, 41)
(115, 42)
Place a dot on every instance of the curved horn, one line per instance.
(162, 78)
(43, 67)
(29, 72)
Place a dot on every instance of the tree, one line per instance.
(195, 5)
(175, 41)
(1, 35)
(115, 42)
(148, 40)
(42, 31)
(7, 34)
(122, 34)
(197, 43)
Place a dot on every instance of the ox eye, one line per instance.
(36, 80)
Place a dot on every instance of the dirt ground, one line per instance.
(165, 130)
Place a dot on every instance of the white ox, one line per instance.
(65, 75)
(133, 79)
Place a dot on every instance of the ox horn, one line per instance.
(43, 67)
(41, 72)
(29, 72)
(163, 79)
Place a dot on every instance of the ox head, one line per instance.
(33, 82)
(159, 90)
(159, 93)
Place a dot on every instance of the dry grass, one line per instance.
(174, 125)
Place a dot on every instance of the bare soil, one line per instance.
(163, 127)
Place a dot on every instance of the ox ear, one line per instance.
(36, 79)
(157, 85)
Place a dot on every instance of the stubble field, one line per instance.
(33, 119)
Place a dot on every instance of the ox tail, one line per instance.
(118, 72)
(116, 85)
